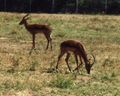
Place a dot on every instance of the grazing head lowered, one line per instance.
(78, 50)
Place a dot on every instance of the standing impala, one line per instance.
(78, 50)
(37, 28)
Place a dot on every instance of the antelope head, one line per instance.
(89, 64)
(24, 19)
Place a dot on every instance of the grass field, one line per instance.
(100, 34)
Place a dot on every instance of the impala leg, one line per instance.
(33, 43)
(48, 40)
(76, 59)
(51, 43)
(66, 59)
(59, 57)
(80, 61)
(47, 44)
(79, 64)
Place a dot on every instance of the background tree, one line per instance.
(77, 5)
(56, 6)
(53, 5)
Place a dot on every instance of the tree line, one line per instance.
(62, 6)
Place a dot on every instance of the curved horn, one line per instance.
(93, 60)
(26, 16)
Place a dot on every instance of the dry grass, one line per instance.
(100, 35)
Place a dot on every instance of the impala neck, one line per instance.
(26, 24)
(84, 56)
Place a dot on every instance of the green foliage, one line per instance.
(62, 82)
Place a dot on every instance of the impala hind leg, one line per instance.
(49, 40)
(51, 43)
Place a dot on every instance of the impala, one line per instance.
(77, 49)
(37, 28)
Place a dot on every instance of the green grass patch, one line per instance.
(62, 82)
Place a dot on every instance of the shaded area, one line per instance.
(61, 6)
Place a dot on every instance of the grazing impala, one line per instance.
(78, 50)
(37, 28)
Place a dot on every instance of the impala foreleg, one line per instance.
(78, 66)
(59, 57)
(33, 43)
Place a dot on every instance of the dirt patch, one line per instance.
(19, 93)
(3, 38)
